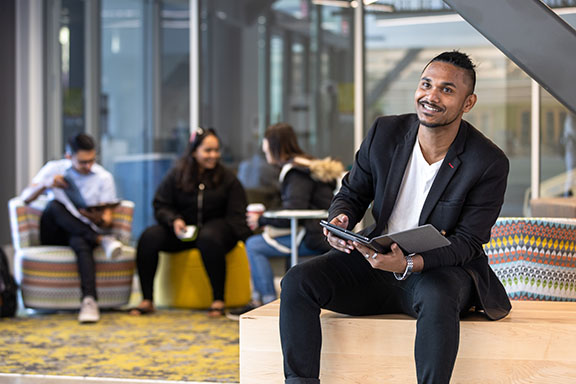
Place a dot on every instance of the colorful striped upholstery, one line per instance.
(25, 223)
(48, 275)
(535, 258)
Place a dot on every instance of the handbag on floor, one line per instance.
(8, 288)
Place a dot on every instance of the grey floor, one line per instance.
(35, 379)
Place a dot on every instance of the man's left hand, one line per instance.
(252, 220)
(393, 261)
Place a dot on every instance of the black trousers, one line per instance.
(214, 241)
(59, 227)
(346, 283)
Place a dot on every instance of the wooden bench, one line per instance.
(536, 343)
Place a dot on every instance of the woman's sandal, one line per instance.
(140, 311)
(216, 312)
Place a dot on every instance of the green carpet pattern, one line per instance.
(167, 345)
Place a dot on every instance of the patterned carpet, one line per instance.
(168, 345)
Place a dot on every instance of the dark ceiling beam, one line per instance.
(531, 35)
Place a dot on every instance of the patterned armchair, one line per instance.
(534, 258)
(48, 275)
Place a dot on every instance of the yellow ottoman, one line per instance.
(181, 280)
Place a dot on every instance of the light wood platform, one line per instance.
(536, 343)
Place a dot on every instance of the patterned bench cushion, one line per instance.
(534, 258)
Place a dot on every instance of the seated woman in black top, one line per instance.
(202, 192)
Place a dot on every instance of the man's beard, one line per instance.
(436, 125)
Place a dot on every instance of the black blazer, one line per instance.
(464, 200)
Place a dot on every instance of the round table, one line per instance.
(294, 215)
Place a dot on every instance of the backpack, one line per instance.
(8, 288)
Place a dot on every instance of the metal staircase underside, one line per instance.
(531, 35)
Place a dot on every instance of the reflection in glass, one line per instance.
(291, 60)
(558, 149)
(145, 95)
(71, 39)
(173, 133)
(396, 54)
(265, 62)
(276, 79)
(569, 149)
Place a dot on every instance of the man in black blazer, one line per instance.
(431, 167)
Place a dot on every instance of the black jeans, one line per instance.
(59, 227)
(346, 283)
(215, 239)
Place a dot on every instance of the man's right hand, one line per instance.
(59, 182)
(32, 192)
(95, 216)
(336, 242)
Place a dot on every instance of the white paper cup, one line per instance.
(256, 208)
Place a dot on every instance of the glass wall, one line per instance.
(271, 61)
(398, 46)
(144, 95)
(558, 149)
(397, 50)
(174, 94)
(263, 62)
(66, 71)
(558, 143)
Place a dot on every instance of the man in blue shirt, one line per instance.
(82, 196)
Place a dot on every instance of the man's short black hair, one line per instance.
(80, 142)
(460, 60)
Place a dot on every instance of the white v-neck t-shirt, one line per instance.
(416, 183)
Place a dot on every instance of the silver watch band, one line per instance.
(408, 270)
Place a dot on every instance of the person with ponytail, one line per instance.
(306, 183)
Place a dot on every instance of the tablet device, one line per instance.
(344, 233)
(414, 240)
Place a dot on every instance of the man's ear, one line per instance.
(469, 102)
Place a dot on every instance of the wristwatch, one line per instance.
(408, 270)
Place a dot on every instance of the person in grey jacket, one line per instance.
(200, 192)
(306, 183)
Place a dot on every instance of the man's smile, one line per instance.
(430, 107)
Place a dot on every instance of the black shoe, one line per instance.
(236, 313)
